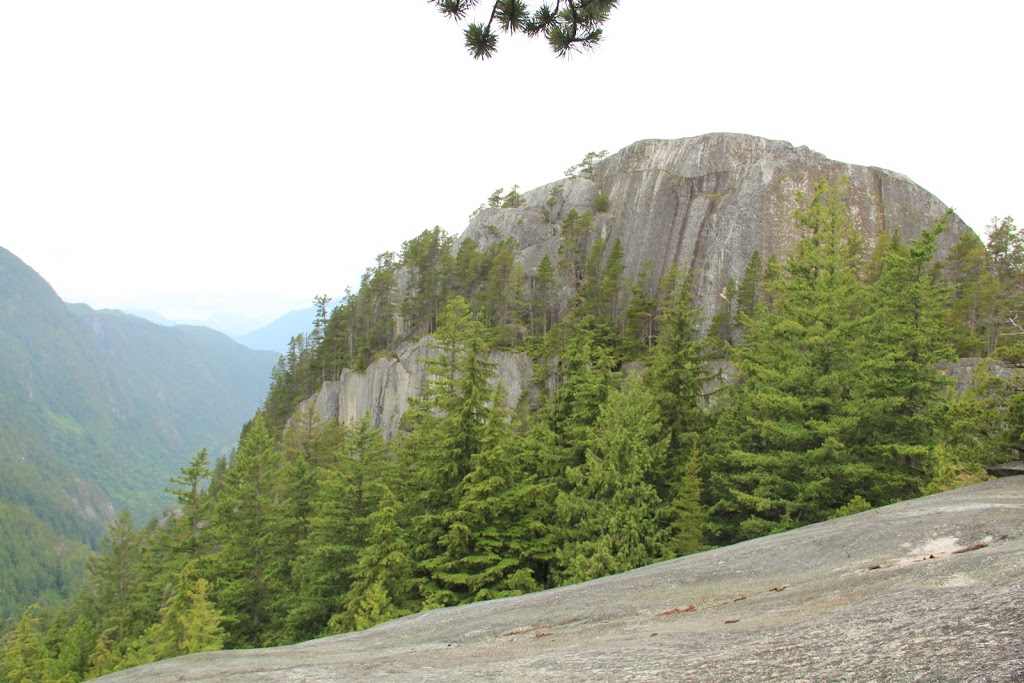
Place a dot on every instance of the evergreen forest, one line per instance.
(821, 387)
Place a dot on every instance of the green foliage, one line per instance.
(382, 584)
(543, 301)
(189, 622)
(116, 576)
(97, 409)
(585, 168)
(496, 538)
(974, 294)
(513, 199)
(338, 525)
(25, 659)
(612, 516)
(428, 259)
(569, 26)
(839, 395)
(602, 204)
(575, 246)
(249, 561)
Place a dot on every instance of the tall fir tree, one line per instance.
(612, 516)
(249, 561)
(382, 578)
(337, 528)
(447, 426)
(25, 659)
(189, 621)
(780, 460)
(496, 536)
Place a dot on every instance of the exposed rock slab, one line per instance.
(927, 590)
(706, 203)
(383, 390)
(1007, 469)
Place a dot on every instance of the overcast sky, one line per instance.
(204, 156)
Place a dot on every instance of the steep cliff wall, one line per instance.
(384, 389)
(704, 204)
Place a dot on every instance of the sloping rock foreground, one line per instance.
(927, 590)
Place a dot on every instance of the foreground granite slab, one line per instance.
(927, 590)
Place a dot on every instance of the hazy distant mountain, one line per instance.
(276, 335)
(228, 323)
(97, 410)
(151, 316)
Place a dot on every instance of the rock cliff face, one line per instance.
(704, 204)
(385, 388)
(925, 590)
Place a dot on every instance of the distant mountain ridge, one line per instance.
(97, 410)
(276, 335)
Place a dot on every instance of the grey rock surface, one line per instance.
(706, 203)
(1007, 469)
(383, 390)
(926, 590)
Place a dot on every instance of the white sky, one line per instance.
(205, 156)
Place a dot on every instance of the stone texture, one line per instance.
(1007, 469)
(926, 590)
(383, 390)
(707, 203)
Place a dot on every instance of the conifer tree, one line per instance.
(542, 298)
(723, 325)
(898, 390)
(612, 516)
(612, 292)
(428, 261)
(836, 409)
(337, 528)
(495, 535)
(382, 578)
(679, 374)
(25, 659)
(974, 294)
(1006, 252)
(584, 376)
(642, 313)
(780, 458)
(189, 622)
(249, 562)
(688, 514)
(447, 425)
(73, 642)
(498, 298)
(575, 246)
(748, 293)
(108, 655)
(192, 504)
(115, 575)
(678, 379)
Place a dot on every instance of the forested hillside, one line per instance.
(628, 449)
(97, 410)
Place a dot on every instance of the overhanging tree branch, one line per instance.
(569, 25)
